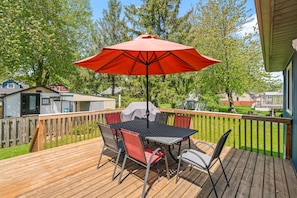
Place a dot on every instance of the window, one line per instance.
(10, 85)
(289, 88)
(45, 101)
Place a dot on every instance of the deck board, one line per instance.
(70, 171)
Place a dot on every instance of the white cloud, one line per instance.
(249, 27)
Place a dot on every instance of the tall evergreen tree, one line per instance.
(160, 18)
(111, 29)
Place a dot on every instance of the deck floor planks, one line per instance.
(269, 185)
(247, 178)
(234, 172)
(258, 179)
(291, 178)
(70, 171)
(280, 179)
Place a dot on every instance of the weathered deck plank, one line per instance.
(70, 171)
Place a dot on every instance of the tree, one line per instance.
(111, 29)
(42, 39)
(161, 18)
(217, 26)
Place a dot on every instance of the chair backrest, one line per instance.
(133, 145)
(182, 121)
(220, 145)
(108, 136)
(161, 118)
(112, 118)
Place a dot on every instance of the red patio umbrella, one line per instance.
(147, 55)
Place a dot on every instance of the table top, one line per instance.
(157, 132)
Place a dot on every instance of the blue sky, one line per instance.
(99, 5)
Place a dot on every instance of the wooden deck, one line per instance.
(70, 171)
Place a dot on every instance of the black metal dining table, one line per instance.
(160, 133)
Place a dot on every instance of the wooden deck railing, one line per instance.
(260, 134)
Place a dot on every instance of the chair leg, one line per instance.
(123, 167)
(178, 167)
(145, 180)
(116, 164)
(213, 186)
(98, 165)
(224, 173)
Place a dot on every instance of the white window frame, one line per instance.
(289, 88)
(10, 85)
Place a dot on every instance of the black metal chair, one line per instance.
(161, 118)
(204, 161)
(111, 143)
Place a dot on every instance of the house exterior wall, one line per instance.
(12, 106)
(47, 108)
(293, 114)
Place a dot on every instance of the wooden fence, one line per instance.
(17, 131)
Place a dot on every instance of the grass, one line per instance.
(14, 151)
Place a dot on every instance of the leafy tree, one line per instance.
(42, 39)
(217, 26)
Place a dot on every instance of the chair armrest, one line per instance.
(196, 154)
(154, 153)
(201, 142)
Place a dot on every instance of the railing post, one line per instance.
(36, 143)
(288, 140)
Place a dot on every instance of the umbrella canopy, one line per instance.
(162, 57)
(147, 55)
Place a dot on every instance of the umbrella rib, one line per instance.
(98, 70)
(194, 69)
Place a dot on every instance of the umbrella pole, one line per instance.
(147, 98)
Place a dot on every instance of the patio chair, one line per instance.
(136, 152)
(110, 143)
(161, 118)
(183, 122)
(204, 161)
(112, 118)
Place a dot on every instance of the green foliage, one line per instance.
(217, 25)
(40, 39)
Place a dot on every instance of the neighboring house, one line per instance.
(117, 91)
(8, 87)
(74, 102)
(35, 100)
(239, 100)
(277, 22)
(271, 101)
(59, 87)
(41, 100)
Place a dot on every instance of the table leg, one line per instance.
(166, 162)
(171, 154)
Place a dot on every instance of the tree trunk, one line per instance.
(112, 85)
(231, 102)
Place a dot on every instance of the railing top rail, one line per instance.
(76, 114)
(229, 115)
